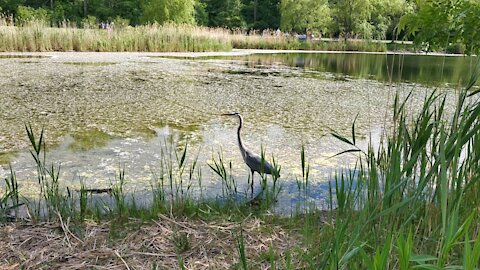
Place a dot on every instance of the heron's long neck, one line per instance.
(240, 143)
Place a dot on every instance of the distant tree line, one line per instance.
(433, 22)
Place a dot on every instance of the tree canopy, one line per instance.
(305, 15)
(437, 24)
(161, 11)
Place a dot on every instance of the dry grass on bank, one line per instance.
(38, 37)
(210, 245)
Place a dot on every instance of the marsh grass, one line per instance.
(229, 184)
(292, 43)
(240, 245)
(9, 200)
(37, 36)
(421, 180)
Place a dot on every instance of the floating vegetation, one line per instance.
(419, 186)
(29, 62)
(99, 64)
(6, 157)
(21, 56)
(255, 72)
(135, 102)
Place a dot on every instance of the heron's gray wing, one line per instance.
(254, 161)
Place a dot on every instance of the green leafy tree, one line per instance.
(225, 13)
(431, 24)
(436, 24)
(201, 14)
(352, 18)
(10, 6)
(127, 9)
(305, 15)
(89, 22)
(469, 26)
(29, 14)
(385, 16)
(162, 11)
(262, 14)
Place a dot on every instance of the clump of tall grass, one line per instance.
(9, 200)
(274, 41)
(292, 43)
(265, 198)
(36, 36)
(413, 202)
(53, 199)
(178, 181)
(229, 184)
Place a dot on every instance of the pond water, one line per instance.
(433, 70)
(105, 111)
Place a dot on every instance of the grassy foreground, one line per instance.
(412, 203)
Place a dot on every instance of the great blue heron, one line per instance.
(253, 161)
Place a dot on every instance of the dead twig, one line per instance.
(124, 262)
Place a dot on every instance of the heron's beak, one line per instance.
(227, 114)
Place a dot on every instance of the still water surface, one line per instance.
(106, 111)
(433, 70)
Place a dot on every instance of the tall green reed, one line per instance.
(54, 199)
(229, 184)
(240, 245)
(424, 175)
(9, 200)
(269, 193)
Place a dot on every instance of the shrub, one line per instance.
(455, 48)
(90, 22)
(27, 15)
(120, 22)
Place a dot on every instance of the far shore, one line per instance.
(233, 52)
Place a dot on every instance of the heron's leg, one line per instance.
(251, 184)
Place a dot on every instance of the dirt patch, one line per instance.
(159, 244)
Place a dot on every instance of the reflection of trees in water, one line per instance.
(413, 68)
(89, 139)
(181, 135)
(178, 135)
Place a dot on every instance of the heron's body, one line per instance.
(253, 160)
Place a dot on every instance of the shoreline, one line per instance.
(234, 52)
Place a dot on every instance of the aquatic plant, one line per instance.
(424, 178)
